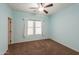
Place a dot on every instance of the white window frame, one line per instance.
(34, 28)
(30, 27)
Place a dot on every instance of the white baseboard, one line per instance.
(65, 45)
(29, 40)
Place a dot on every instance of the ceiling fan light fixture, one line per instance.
(41, 9)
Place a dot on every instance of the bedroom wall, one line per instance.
(18, 17)
(65, 27)
(5, 12)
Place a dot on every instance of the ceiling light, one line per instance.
(41, 9)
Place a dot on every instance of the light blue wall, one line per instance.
(5, 12)
(65, 27)
(18, 27)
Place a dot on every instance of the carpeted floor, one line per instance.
(39, 47)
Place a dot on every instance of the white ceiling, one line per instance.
(26, 7)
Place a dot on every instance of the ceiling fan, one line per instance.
(42, 7)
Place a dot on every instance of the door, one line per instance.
(9, 30)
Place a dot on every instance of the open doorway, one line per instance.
(9, 30)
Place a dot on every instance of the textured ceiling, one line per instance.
(26, 7)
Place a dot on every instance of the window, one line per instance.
(30, 27)
(38, 27)
(34, 27)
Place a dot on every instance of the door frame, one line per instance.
(9, 30)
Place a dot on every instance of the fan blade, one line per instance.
(45, 11)
(41, 4)
(49, 5)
